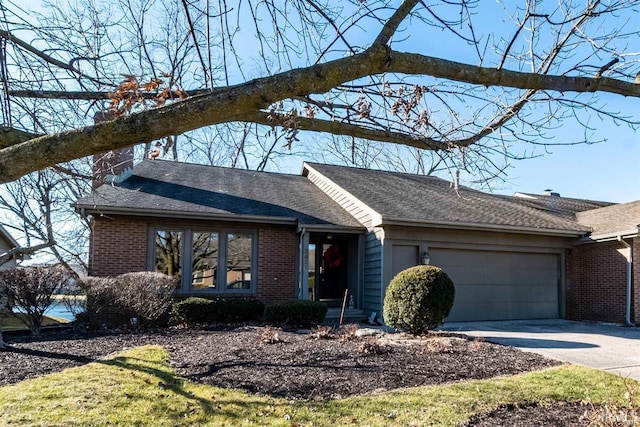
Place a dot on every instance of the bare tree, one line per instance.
(331, 68)
(245, 83)
(32, 290)
(37, 208)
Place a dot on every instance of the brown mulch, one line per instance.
(562, 414)
(303, 368)
(293, 366)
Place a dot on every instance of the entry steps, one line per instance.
(351, 315)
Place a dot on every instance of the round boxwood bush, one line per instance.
(418, 299)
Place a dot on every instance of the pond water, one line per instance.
(57, 309)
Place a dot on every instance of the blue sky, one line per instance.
(609, 171)
(606, 171)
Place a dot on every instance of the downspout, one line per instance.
(301, 269)
(629, 263)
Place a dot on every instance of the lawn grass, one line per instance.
(12, 322)
(138, 388)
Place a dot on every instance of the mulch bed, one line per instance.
(293, 365)
(296, 366)
(562, 414)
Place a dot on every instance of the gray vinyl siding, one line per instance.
(372, 300)
(372, 274)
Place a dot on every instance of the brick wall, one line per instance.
(277, 255)
(596, 282)
(118, 245)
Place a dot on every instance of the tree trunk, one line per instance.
(2, 345)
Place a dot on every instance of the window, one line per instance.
(168, 252)
(239, 246)
(204, 265)
(211, 261)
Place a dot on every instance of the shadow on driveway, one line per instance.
(537, 343)
(601, 346)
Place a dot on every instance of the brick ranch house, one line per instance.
(237, 233)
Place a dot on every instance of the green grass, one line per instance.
(138, 388)
(12, 322)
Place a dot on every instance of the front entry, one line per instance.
(329, 269)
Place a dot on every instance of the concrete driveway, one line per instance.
(608, 347)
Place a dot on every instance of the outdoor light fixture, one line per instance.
(425, 258)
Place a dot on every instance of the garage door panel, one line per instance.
(533, 293)
(494, 285)
(496, 311)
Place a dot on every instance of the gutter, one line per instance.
(629, 263)
(609, 237)
(330, 228)
(152, 213)
(478, 227)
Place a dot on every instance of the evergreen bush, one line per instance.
(217, 310)
(418, 299)
(296, 313)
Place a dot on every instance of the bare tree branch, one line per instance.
(21, 251)
(90, 95)
(11, 136)
(410, 63)
(47, 58)
(394, 22)
(357, 131)
(231, 103)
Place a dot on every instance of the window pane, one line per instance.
(239, 247)
(205, 261)
(168, 256)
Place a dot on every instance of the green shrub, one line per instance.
(297, 313)
(418, 299)
(204, 310)
(114, 301)
(238, 310)
(195, 310)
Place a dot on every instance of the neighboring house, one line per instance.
(275, 237)
(7, 242)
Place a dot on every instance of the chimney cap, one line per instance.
(550, 192)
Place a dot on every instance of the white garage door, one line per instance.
(493, 285)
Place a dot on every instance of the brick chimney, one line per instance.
(112, 166)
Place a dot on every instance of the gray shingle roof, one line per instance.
(620, 218)
(165, 186)
(422, 199)
(565, 207)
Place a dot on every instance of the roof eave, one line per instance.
(479, 227)
(607, 237)
(330, 228)
(161, 213)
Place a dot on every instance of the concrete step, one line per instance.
(350, 315)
